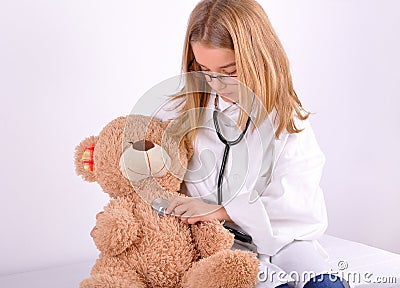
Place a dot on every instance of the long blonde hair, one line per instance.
(261, 62)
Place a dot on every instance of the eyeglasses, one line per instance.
(209, 77)
(224, 79)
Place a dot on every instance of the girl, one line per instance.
(233, 40)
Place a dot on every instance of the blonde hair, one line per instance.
(261, 62)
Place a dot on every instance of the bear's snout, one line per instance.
(142, 145)
(143, 159)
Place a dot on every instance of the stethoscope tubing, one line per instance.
(228, 144)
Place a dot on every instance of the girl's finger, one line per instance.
(180, 210)
(193, 220)
(184, 220)
(175, 202)
(187, 214)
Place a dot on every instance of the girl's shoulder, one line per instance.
(303, 142)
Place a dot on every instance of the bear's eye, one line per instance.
(142, 145)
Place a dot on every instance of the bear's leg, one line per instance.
(227, 269)
(107, 281)
(112, 272)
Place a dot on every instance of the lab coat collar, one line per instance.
(224, 106)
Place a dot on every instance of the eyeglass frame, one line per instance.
(210, 77)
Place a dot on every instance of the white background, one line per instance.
(69, 67)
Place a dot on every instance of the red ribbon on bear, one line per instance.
(87, 158)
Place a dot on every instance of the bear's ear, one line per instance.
(84, 163)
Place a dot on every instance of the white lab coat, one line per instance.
(271, 187)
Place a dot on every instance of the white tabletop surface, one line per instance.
(364, 265)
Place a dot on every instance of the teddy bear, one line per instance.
(134, 160)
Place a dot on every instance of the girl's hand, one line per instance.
(191, 210)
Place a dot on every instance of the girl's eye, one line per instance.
(233, 73)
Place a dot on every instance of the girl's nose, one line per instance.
(217, 85)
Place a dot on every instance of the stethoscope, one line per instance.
(239, 235)
(160, 205)
(228, 145)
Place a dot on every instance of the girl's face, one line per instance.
(218, 60)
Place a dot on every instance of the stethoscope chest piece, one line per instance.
(160, 205)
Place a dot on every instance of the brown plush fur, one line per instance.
(138, 247)
(237, 264)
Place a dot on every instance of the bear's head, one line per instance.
(135, 154)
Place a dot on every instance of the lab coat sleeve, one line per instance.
(291, 206)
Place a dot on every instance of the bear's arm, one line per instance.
(116, 228)
(211, 237)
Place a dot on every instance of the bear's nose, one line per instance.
(142, 145)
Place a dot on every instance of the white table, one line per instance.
(364, 264)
